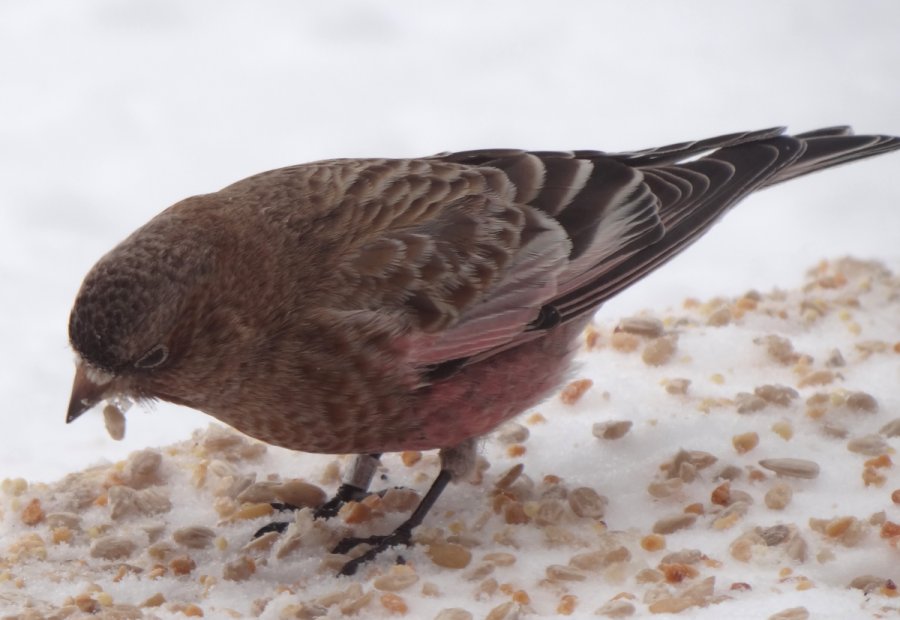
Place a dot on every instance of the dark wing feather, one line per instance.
(512, 243)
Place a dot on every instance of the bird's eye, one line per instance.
(153, 358)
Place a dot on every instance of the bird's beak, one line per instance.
(86, 392)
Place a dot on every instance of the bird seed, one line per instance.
(793, 468)
(611, 430)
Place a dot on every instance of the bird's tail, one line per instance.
(832, 146)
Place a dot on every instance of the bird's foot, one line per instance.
(401, 536)
(346, 493)
(276, 526)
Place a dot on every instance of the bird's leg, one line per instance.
(354, 487)
(400, 536)
(456, 463)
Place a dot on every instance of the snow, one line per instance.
(840, 525)
(112, 111)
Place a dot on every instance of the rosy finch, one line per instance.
(376, 305)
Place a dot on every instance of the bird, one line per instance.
(365, 306)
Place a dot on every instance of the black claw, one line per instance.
(401, 536)
(275, 526)
(345, 493)
(282, 506)
(329, 509)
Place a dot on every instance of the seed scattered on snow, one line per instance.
(300, 493)
(252, 511)
(665, 488)
(601, 558)
(586, 502)
(616, 609)
(624, 343)
(641, 326)
(659, 351)
(182, 565)
(778, 348)
(239, 569)
(500, 558)
(835, 430)
(113, 547)
(794, 613)
(697, 458)
(687, 472)
(677, 386)
(721, 495)
(394, 603)
(793, 468)
(648, 575)
(558, 572)
(835, 359)
(677, 572)
(749, 403)
(454, 613)
(673, 523)
(573, 392)
(549, 512)
(780, 395)
(745, 442)
(848, 529)
(653, 542)
(818, 377)
(779, 496)
(611, 430)
(891, 429)
(719, 318)
(194, 537)
(783, 429)
(399, 500)
(511, 475)
(870, 445)
(868, 583)
(505, 611)
(449, 555)
(142, 469)
(671, 605)
(512, 432)
(258, 492)
(861, 401)
(125, 502)
(567, 604)
(869, 347)
(33, 514)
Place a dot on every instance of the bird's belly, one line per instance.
(470, 403)
(482, 396)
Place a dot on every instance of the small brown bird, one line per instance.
(377, 305)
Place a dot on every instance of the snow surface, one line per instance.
(110, 111)
(743, 556)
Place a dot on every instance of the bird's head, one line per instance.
(133, 316)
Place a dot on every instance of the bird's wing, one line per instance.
(480, 251)
(467, 254)
(448, 253)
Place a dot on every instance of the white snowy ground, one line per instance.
(110, 111)
(662, 487)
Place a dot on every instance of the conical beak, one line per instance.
(85, 393)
